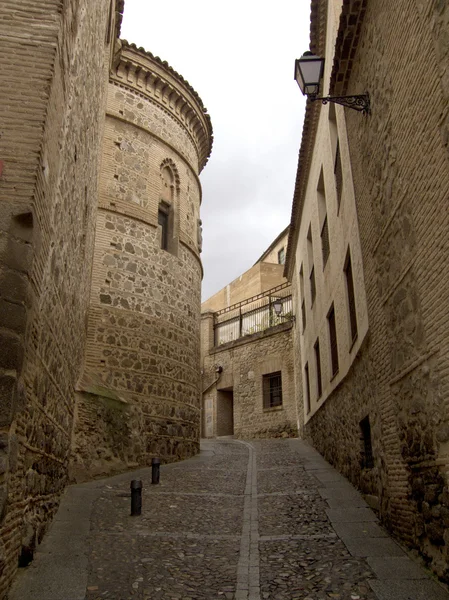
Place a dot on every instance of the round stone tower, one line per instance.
(139, 395)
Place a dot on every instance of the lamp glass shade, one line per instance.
(308, 73)
(277, 305)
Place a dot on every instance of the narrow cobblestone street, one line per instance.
(265, 520)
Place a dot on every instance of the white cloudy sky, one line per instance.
(239, 56)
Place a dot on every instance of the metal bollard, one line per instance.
(155, 470)
(136, 497)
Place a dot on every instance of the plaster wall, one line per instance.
(330, 282)
(272, 256)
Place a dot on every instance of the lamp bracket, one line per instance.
(360, 103)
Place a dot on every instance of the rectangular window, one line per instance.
(322, 215)
(351, 298)
(367, 449)
(325, 241)
(272, 390)
(338, 175)
(306, 371)
(319, 385)
(303, 303)
(312, 286)
(162, 219)
(333, 340)
(281, 256)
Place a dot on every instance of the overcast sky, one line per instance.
(239, 56)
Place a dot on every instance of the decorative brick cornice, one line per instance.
(351, 19)
(119, 8)
(151, 77)
(318, 23)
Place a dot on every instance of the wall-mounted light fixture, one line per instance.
(308, 73)
(277, 306)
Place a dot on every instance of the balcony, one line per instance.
(253, 315)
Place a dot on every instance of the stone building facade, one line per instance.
(143, 348)
(246, 354)
(384, 421)
(57, 227)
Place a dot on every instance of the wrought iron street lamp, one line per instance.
(308, 74)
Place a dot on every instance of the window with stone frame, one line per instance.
(336, 157)
(319, 383)
(281, 256)
(307, 379)
(350, 297)
(322, 215)
(302, 297)
(338, 175)
(333, 340)
(163, 219)
(272, 390)
(166, 210)
(312, 286)
(311, 266)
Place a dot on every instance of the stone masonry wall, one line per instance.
(142, 361)
(400, 165)
(48, 193)
(244, 362)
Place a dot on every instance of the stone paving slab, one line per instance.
(342, 502)
(259, 520)
(328, 476)
(359, 529)
(396, 567)
(373, 547)
(350, 515)
(423, 589)
(346, 493)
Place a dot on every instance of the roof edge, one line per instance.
(271, 246)
(318, 24)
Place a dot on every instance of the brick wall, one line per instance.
(48, 194)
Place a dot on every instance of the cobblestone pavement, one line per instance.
(259, 520)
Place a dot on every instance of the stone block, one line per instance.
(11, 351)
(16, 254)
(22, 225)
(13, 286)
(12, 316)
(3, 500)
(7, 399)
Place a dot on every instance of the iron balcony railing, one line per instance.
(253, 315)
